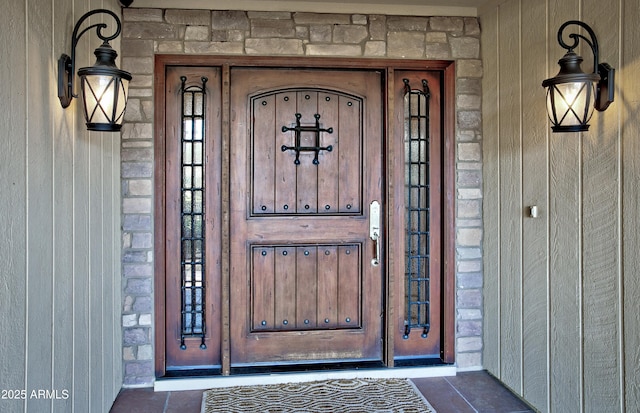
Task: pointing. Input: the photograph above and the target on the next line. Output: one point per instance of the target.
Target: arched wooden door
(306, 164)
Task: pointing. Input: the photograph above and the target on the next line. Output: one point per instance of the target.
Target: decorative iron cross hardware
(298, 148)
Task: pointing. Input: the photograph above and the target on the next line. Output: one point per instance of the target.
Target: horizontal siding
(576, 344)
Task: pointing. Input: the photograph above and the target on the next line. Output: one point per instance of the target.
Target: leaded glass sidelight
(417, 201)
(193, 212)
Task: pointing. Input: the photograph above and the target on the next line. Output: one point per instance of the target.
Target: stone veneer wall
(150, 31)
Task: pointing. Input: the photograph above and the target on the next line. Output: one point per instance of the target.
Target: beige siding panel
(13, 218)
(510, 198)
(491, 196)
(580, 290)
(81, 271)
(95, 276)
(580, 313)
(96, 248)
(39, 297)
(81, 391)
(110, 191)
(628, 102)
(61, 261)
(109, 288)
(535, 134)
(565, 244)
(600, 248)
(63, 225)
(113, 304)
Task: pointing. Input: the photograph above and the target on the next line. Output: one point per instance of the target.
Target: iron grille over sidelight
(193, 212)
(416, 135)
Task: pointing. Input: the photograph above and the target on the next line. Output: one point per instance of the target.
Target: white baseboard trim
(472, 368)
(202, 383)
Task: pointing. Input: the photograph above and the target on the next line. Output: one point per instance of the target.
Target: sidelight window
(417, 201)
(193, 213)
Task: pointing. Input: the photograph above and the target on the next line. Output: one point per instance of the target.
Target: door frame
(393, 194)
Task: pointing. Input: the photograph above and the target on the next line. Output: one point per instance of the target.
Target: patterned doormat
(330, 396)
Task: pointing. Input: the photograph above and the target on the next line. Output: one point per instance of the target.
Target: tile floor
(472, 392)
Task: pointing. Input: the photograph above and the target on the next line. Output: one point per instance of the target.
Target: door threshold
(203, 383)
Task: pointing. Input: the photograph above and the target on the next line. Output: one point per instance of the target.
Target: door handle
(374, 230)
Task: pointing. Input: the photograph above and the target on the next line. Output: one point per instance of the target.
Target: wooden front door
(306, 282)
(267, 252)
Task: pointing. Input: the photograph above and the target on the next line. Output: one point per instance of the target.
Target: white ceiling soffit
(389, 7)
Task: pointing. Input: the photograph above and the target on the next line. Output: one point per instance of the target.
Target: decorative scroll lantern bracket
(298, 129)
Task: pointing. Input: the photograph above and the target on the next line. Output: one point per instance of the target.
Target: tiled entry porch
(470, 392)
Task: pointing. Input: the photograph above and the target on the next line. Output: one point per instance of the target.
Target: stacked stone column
(150, 31)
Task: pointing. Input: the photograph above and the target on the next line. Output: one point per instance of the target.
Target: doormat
(330, 396)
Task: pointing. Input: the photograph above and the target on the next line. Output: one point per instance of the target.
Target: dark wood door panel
(302, 284)
(305, 287)
(289, 176)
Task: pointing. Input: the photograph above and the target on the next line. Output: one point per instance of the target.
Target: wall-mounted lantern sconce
(572, 94)
(104, 86)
